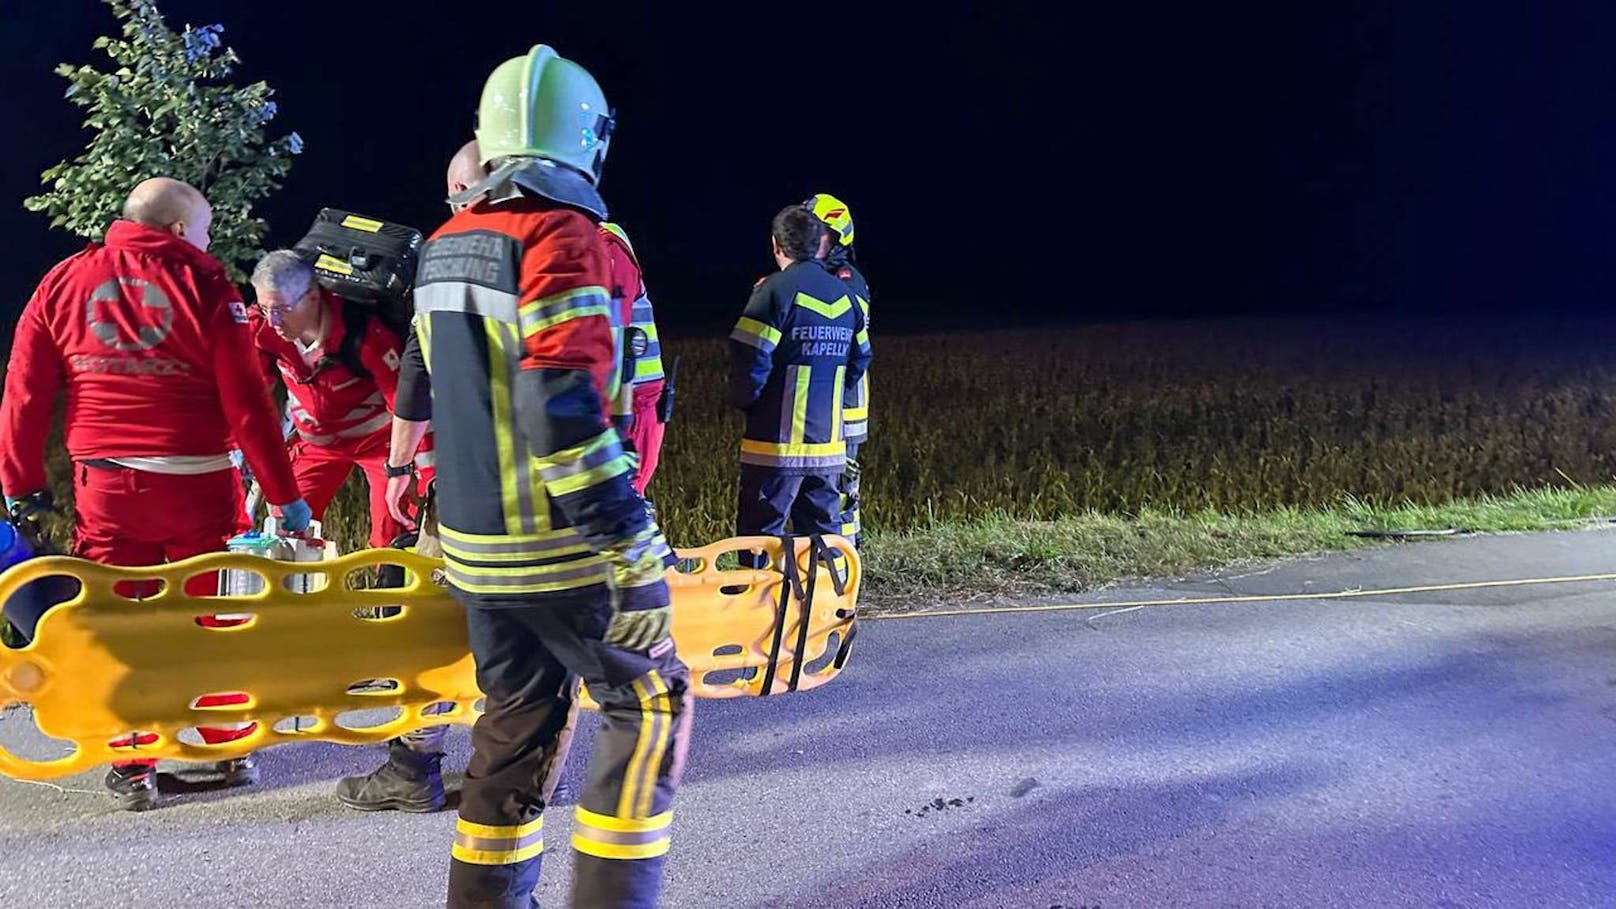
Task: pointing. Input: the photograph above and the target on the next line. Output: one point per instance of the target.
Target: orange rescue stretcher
(105, 672)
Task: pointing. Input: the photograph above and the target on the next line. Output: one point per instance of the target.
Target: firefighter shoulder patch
(238, 311)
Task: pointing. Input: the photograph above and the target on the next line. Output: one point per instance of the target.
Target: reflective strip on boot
(621, 838)
(488, 844)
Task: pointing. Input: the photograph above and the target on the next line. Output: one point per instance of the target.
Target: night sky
(1004, 167)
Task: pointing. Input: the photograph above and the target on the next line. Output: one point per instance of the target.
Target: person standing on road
(148, 337)
(798, 345)
(836, 252)
(545, 541)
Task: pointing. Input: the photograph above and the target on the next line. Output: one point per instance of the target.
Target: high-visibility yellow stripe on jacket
(492, 299)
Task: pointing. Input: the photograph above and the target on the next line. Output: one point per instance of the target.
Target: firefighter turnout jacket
(513, 317)
(148, 336)
(799, 343)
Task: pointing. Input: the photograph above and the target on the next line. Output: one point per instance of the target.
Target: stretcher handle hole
(727, 650)
(734, 590)
(141, 589)
(305, 582)
(228, 621)
(833, 645)
(231, 701)
(376, 687)
(738, 678)
(299, 725)
(370, 718)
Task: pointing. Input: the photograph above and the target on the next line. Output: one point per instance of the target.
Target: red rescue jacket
(148, 336)
(333, 406)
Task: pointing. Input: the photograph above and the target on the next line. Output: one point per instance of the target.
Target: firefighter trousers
(770, 499)
(527, 658)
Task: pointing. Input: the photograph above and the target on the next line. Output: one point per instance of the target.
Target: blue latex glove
(295, 516)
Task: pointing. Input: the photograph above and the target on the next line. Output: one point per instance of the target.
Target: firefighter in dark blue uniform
(800, 342)
(836, 252)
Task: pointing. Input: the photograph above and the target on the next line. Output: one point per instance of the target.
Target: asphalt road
(1438, 750)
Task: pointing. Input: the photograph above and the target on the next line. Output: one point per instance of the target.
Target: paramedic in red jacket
(147, 336)
(339, 390)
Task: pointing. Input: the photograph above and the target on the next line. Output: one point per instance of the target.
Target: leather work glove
(295, 516)
(642, 614)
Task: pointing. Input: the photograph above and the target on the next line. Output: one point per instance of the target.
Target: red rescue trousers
(645, 433)
(322, 470)
(136, 518)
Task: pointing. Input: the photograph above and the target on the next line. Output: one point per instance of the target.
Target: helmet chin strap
(539, 177)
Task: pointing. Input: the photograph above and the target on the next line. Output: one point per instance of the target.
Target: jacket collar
(134, 237)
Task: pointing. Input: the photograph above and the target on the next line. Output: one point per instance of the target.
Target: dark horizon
(1003, 169)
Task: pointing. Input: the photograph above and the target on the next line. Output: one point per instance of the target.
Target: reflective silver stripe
(827, 462)
(371, 425)
(314, 439)
(459, 296)
(534, 576)
(537, 318)
(499, 843)
(595, 454)
(426, 459)
(622, 837)
(513, 547)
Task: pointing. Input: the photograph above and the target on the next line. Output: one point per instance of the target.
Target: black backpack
(370, 264)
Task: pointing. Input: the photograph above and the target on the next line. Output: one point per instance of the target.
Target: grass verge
(1000, 557)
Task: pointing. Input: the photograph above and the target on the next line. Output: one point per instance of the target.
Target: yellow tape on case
(332, 263)
(302, 666)
(358, 223)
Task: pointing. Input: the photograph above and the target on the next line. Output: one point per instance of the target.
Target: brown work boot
(409, 781)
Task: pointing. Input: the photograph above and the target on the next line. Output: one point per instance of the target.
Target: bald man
(148, 337)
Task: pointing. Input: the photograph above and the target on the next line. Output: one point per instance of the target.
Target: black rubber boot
(135, 787)
(409, 781)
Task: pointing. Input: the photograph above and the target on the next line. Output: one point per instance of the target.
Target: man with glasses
(342, 412)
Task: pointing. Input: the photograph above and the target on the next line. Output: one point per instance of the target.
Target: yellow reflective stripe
(548, 312)
(622, 824)
(793, 449)
(572, 566)
(836, 402)
(496, 856)
(652, 768)
(758, 334)
(544, 541)
(862, 337)
(499, 396)
(489, 844)
(854, 414)
(648, 327)
(496, 831)
(799, 405)
(423, 330)
(578, 482)
(619, 233)
(626, 797)
(828, 310)
(471, 555)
